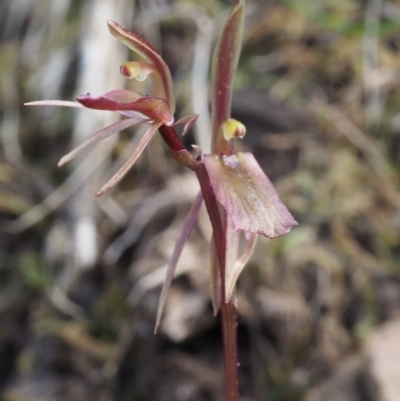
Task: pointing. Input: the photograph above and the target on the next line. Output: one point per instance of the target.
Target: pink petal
(248, 195)
(224, 63)
(180, 243)
(53, 103)
(121, 99)
(98, 136)
(132, 159)
(151, 55)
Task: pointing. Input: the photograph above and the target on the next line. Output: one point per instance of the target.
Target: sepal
(121, 99)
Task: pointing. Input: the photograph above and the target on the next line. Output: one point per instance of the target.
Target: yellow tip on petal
(232, 129)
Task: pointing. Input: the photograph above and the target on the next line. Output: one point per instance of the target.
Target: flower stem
(171, 138)
(228, 309)
(229, 335)
(215, 219)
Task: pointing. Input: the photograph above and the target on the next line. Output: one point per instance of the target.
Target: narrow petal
(121, 99)
(232, 244)
(132, 159)
(98, 136)
(141, 46)
(188, 121)
(233, 271)
(180, 243)
(248, 195)
(53, 103)
(224, 63)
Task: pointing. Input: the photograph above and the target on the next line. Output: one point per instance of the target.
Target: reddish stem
(228, 309)
(229, 335)
(171, 138)
(215, 219)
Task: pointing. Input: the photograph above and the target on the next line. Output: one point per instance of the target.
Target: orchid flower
(249, 201)
(238, 195)
(155, 110)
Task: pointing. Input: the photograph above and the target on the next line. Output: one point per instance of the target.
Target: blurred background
(318, 89)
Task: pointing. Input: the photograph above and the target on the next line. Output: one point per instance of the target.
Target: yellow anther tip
(125, 71)
(232, 129)
(136, 69)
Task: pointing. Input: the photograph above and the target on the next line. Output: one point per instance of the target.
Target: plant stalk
(228, 309)
(231, 361)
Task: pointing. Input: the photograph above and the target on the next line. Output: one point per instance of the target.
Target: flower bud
(232, 128)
